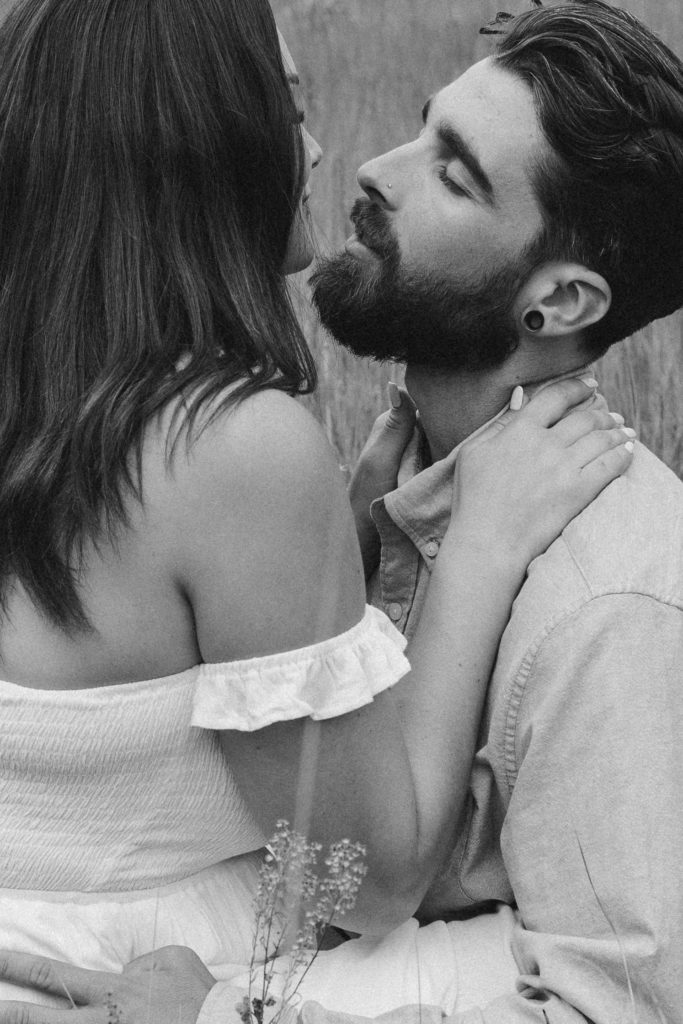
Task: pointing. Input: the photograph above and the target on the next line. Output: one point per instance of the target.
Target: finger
(594, 401)
(599, 401)
(397, 394)
(489, 430)
(175, 959)
(29, 1013)
(577, 424)
(606, 468)
(401, 416)
(551, 403)
(591, 446)
(46, 975)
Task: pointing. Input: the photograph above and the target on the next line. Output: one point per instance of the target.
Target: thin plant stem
(620, 944)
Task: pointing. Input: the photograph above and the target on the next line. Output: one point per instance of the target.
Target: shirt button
(395, 611)
(432, 548)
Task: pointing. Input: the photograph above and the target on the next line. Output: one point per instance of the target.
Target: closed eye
(451, 185)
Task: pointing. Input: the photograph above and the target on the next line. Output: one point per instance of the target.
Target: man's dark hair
(150, 173)
(609, 97)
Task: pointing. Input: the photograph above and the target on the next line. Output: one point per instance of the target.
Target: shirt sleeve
(320, 681)
(593, 835)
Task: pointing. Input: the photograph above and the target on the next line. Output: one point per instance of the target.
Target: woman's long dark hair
(149, 178)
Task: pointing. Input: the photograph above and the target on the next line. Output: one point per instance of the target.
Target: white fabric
(110, 788)
(210, 912)
(321, 681)
(456, 966)
(121, 828)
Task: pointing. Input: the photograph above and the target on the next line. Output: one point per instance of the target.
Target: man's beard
(381, 312)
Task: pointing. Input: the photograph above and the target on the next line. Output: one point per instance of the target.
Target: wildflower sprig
(293, 906)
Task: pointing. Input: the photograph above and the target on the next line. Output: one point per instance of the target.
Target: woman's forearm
(440, 702)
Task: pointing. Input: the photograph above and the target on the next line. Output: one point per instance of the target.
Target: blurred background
(367, 67)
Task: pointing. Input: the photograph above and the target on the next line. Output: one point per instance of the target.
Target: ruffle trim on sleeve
(321, 681)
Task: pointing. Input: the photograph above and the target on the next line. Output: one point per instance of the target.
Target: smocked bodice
(112, 788)
(125, 787)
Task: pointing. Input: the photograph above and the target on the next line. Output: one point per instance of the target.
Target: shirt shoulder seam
(517, 689)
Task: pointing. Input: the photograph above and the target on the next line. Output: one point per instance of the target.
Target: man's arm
(593, 835)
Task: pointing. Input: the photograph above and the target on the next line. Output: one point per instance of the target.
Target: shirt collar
(421, 504)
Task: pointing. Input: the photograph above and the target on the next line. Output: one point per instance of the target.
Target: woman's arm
(279, 568)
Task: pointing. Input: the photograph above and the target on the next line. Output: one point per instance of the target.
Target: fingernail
(629, 431)
(618, 418)
(394, 395)
(517, 398)
(629, 446)
(590, 382)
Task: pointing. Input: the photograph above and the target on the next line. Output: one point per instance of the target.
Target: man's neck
(453, 405)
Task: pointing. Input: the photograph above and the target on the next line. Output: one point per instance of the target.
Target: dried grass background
(366, 67)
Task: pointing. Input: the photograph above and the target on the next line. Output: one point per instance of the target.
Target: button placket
(399, 569)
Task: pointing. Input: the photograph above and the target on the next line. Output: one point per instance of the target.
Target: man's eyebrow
(454, 142)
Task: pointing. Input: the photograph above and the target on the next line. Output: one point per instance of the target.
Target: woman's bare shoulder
(267, 434)
(268, 441)
(256, 510)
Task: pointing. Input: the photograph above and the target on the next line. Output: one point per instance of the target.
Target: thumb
(518, 401)
(401, 417)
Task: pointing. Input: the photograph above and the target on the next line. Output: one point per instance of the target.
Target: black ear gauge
(533, 320)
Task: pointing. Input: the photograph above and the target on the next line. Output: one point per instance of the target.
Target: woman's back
(206, 567)
(146, 215)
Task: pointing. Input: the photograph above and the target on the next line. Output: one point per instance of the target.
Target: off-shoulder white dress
(122, 830)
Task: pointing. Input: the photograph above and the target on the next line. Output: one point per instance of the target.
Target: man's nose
(380, 178)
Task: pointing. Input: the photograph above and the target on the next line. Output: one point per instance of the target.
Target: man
(536, 220)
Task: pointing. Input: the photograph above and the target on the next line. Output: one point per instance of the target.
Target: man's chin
(342, 290)
(375, 312)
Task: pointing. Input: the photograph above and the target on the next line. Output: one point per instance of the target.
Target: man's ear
(568, 297)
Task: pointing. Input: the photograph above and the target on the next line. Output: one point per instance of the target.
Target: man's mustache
(373, 228)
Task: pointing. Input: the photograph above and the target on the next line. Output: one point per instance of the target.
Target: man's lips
(356, 247)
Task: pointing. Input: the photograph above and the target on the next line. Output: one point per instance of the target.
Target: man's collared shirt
(575, 808)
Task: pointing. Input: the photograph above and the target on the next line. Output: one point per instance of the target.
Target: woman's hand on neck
(453, 404)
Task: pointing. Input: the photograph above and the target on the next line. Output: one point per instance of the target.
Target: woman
(175, 526)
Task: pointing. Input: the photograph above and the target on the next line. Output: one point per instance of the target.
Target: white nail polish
(618, 418)
(629, 446)
(517, 399)
(629, 431)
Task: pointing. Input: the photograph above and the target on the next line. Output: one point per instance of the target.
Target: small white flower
(288, 888)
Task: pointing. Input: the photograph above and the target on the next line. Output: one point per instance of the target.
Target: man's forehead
(494, 112)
